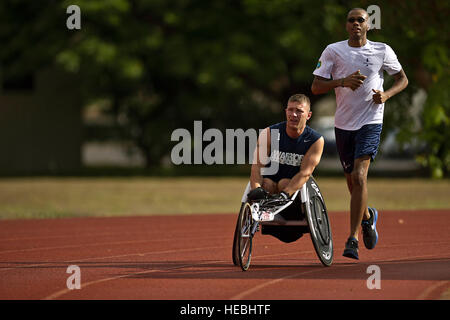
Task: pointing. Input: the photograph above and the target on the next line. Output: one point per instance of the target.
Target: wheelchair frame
(254, 214)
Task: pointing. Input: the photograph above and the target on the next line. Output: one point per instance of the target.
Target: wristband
(342, 82)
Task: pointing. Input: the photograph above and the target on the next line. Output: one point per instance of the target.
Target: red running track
(189, 257)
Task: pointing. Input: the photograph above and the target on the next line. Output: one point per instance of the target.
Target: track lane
(166, 258)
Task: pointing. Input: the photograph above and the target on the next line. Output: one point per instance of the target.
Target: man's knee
(283, 183)
(359, 178)
(360, 170)
(269, 185)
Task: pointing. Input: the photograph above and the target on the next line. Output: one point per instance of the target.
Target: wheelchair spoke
(244, 249)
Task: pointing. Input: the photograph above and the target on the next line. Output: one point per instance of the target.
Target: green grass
(77, 197)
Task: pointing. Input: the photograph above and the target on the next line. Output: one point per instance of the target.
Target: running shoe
(351, 249)
(369, 231)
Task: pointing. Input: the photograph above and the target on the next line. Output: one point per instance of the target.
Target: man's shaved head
(358, 10)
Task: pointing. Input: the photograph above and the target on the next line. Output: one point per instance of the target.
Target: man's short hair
(300, 98)
(358, 9)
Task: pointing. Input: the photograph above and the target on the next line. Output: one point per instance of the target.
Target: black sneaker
(369, 231)
(351, 249)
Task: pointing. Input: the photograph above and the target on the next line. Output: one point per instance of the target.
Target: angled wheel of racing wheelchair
(235, 253)
(245, 229)
(243, 237)
(318, 222)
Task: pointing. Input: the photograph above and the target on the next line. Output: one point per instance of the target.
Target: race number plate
(266, 216)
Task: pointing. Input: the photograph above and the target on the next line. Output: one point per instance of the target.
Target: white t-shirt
(338, 60)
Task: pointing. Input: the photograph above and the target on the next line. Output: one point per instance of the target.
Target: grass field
(76, 197)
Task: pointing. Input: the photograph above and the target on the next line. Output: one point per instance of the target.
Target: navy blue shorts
(352, 145)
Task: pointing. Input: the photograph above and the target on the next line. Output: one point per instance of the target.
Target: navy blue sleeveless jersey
(290, 153)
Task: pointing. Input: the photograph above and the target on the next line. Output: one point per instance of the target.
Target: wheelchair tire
(319, 224)
(235, 253)
(244, 237)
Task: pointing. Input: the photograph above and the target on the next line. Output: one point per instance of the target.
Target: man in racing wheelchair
(296, 151)
(299, 152)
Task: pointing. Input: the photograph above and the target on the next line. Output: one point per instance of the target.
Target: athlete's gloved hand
(280, 196)
(257, 194)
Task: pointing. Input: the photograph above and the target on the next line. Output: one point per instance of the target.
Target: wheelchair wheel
(244, 237)
(235, 253)
(319, 224)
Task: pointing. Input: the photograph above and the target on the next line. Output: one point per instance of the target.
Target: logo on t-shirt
(318, 64)
(292, 159)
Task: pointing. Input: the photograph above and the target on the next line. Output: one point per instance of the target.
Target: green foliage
(436, 133)
(416, 31)
(163, 64)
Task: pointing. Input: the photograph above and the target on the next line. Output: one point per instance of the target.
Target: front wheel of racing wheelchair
(309, 203)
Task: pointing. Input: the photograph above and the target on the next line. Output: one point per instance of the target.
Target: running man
(354, 69)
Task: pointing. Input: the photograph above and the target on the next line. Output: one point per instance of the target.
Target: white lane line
(107, 243)
(141, 254)
(119, 256)
(87, 284)
(90, 283)
(84, 285)
(274, 281)
(269, 283)
(87, 235)
(424, 295)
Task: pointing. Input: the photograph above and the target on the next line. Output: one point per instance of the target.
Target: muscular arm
(323, 85)
(309, 163)
(262, 149)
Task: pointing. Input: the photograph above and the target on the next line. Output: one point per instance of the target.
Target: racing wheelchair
(285, 219)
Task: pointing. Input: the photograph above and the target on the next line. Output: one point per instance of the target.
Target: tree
(415, 29)
(163, 64)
